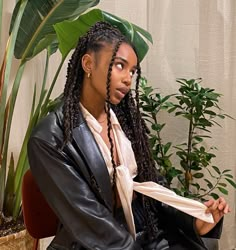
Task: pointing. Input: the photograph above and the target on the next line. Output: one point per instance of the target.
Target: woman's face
(122, 72)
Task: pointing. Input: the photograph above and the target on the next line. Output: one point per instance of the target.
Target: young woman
(86, 154)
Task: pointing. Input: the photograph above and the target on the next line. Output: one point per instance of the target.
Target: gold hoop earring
(89, 74)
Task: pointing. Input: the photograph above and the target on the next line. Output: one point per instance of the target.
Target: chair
(40, 221)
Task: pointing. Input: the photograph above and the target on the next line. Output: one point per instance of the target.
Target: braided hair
(127, 111)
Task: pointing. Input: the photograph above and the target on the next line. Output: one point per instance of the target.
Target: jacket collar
(92, 155)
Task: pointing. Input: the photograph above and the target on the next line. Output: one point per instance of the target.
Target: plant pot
(21, 240)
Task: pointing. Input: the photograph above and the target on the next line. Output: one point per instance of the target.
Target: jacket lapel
(94, 159)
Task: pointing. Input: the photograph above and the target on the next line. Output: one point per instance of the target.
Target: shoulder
(50, 128)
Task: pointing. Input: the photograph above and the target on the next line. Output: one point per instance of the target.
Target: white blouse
(127, 170)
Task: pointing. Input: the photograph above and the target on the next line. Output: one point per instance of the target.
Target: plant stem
(218, 180)
(188, 161)
(52, 85)
(158, 134)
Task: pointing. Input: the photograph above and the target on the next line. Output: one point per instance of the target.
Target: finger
(209, 202)
(222, 203)
(226, 209)
(213, 206)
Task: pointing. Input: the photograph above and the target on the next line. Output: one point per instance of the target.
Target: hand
(218, 208)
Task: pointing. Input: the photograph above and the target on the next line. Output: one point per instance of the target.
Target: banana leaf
(68, 32)
(36, 28)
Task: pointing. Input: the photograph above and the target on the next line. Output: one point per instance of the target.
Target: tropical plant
(199, 107)
(36, 26)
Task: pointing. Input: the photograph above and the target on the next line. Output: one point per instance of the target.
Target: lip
(123, 90)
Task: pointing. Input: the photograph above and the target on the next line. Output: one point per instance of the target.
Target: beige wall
(197, 39)
(192, 38)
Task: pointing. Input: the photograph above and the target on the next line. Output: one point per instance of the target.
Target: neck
(96, 110)
(94, 104)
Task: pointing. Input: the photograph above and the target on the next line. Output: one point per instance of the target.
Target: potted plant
(198, 106)
(59, 27)
(193, 176)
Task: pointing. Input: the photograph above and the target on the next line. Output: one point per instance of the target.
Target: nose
(127, 79)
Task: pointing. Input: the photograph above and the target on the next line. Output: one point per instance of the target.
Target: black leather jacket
(76, 184)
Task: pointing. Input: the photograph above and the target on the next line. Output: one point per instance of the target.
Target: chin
(115, 101)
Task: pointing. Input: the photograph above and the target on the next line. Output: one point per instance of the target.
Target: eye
(132, 73)
(120, 65)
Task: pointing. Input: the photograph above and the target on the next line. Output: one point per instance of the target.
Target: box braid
(127, 111)
(109, 126)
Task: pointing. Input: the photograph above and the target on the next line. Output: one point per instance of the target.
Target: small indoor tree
(197, 176)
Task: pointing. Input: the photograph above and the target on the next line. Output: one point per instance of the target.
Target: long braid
(72, 89)
(147, 166)
(109, 126)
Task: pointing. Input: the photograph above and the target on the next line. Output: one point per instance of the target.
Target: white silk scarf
(127, 170)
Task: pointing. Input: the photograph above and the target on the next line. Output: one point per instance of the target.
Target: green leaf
(68, 32)
(215, 196)
(209, 104)
(217, 170)
(198, 138)
(223, 190)
(212, 96)
(196, 185)
(226, 170)
(157, 127)
(198, 175)
(229, 175)
(36, 28)
(167, 147)
(210, 112)
(148, 91)
(174, 172)
(231, 182)
(205, 122)
(209, 184)
(222, 184)
(172, 109)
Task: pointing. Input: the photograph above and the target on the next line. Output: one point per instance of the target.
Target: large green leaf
(36, 28)
(68, 32)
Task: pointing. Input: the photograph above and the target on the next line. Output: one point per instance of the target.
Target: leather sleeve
(70, 197)
(186, 223)
(183, 221)
(215, 231)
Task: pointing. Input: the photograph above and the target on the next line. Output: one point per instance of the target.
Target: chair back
(40, 221)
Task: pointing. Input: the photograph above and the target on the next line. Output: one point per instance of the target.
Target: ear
(87, 63)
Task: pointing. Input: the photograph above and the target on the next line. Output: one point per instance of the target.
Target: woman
(85, 154)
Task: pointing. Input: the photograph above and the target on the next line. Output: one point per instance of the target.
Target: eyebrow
(124, 60)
